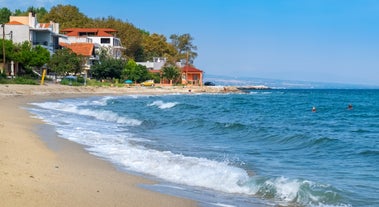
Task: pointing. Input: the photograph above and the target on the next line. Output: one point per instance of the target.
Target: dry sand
(34, 174)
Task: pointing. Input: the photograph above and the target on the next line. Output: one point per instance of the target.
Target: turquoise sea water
(262, 148)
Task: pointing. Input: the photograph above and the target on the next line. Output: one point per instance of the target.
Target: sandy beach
(32, 173)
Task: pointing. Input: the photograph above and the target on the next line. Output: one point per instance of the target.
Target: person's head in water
(350, 107)
(314, 109)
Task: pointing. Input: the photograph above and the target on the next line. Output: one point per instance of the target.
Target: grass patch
(19, 80)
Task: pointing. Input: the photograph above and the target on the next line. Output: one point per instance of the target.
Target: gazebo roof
(190, 69)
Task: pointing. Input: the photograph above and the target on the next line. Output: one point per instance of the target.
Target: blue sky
(310, 40)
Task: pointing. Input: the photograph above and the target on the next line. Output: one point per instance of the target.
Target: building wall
(71, 39)
(27, 20)
(21, 19)
(98, 41)
(20, 33)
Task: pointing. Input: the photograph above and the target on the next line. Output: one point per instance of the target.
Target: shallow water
(262, 148)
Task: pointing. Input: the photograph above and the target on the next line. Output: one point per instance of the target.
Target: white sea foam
(177, 168)
(101, 101)
(163, 105)
(286, 189)
(222, 205)
(97, 114)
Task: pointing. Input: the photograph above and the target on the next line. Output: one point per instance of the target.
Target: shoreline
(34, 172)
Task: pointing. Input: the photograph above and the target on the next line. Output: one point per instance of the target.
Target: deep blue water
(262, 148)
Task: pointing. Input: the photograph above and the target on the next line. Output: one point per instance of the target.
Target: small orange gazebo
(191, 76)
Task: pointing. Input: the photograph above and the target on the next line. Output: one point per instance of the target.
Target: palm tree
(171, 73)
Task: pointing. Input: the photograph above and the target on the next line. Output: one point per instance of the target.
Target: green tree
(156, 45)
(135, 72)
(171, 73)
(107, 68)
(184, 47)
(40, 57)
(9, 48)
(67, 16)
(39, 12)
(65, 61)
(30, 57)
(5, 13)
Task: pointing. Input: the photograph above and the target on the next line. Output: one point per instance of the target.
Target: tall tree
(156, 45)
(184, 47)
(67, 16)
(39, 12)
(5, 13)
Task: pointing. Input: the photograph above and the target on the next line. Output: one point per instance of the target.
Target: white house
(156, 64)
(100, 37)
(26, 28)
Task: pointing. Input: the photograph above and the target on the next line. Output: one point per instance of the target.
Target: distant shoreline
(57, 89)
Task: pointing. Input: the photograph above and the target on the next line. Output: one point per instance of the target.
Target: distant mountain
(281, 84)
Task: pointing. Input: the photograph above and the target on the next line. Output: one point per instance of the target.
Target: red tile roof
(100, 32)
(84, 49)
(14, 23)
(190, 69)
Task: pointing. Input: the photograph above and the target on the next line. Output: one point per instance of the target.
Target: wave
(103, 101)
(163, 105)
(323, 142)
(369, 153)
(317, 143)
(103, 115)
(229, 126)
(177, 168)
(296, 191)
(219, 176)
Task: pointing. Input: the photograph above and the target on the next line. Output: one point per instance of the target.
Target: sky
(303, 40)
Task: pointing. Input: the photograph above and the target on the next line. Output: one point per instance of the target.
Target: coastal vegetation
(140, 46)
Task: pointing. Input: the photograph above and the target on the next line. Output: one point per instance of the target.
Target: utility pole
(2, 69)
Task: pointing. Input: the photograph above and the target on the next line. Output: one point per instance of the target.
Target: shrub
(70, 82)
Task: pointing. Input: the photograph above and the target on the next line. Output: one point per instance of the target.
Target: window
(87, 34)
(105, 40)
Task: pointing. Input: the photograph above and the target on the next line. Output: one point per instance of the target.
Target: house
(156, 64)
(27, 28)
(191, 75)
(21, 29)
(86, 50)
(100, 37)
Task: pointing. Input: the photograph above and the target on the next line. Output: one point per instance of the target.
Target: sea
(259, 148)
